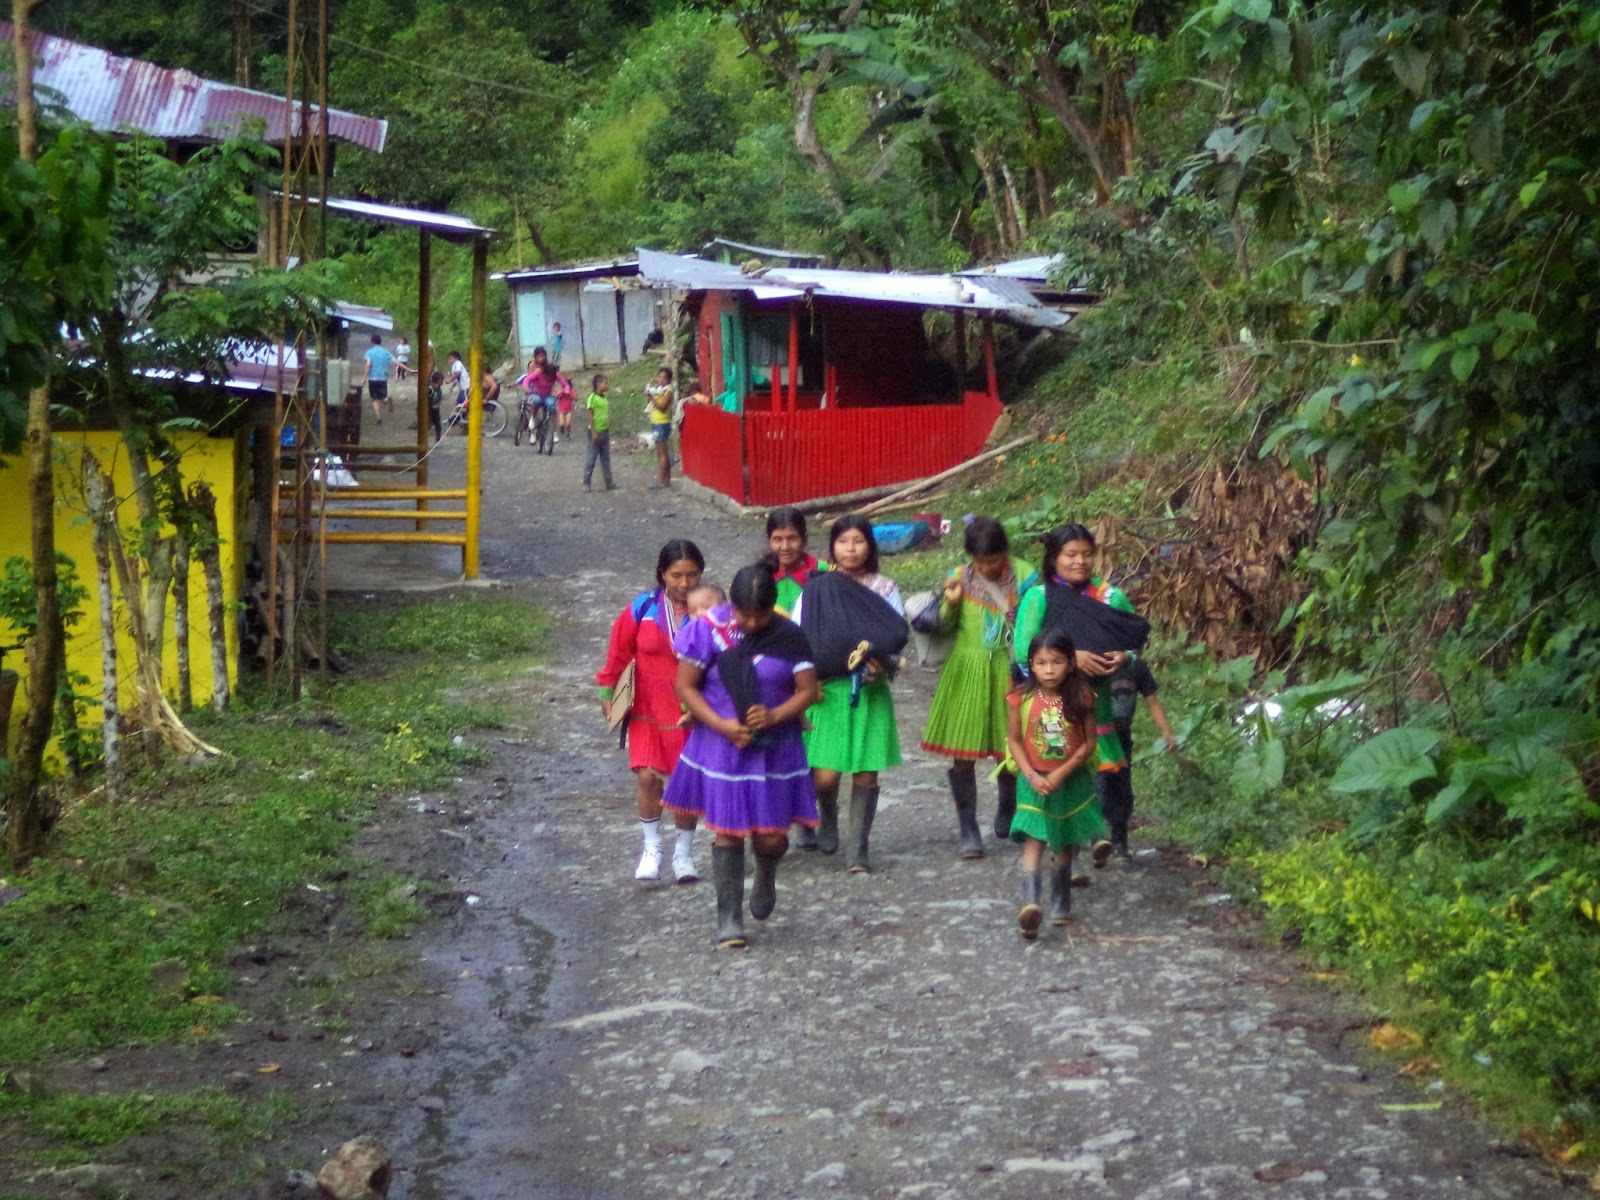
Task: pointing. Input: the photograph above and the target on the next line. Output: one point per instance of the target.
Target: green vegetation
(221, 853)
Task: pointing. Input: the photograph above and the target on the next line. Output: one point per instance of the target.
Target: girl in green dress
(792, 566)
(1050, 731)
(1069, 564)
(967, 720)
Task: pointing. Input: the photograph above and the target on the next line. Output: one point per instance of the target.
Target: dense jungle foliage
(1336, 414)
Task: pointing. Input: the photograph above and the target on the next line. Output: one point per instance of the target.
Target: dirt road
(885, 1035)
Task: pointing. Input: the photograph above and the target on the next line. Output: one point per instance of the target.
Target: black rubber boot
(727, 868)
(964, 788)
(1006, 805)
(805, 838)
(828, 820)
(764, 891)
(1060, 895)
(863, 808)
(1119, 841)
(1030, 916)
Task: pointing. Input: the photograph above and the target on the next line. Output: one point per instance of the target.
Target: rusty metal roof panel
(113, 93)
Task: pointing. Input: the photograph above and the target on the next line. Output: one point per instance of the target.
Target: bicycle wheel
(494, 418)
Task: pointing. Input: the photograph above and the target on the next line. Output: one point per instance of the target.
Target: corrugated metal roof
(616, 266)
(112, 93)
(445, 225)
(1004, 300)
(1036, 269)
(795, 257)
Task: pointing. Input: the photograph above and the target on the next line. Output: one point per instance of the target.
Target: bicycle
(533, 418)
(494, 418)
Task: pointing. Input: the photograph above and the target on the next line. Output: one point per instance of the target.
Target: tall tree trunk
(208, 545)
(104, 524)
(997, 201)
(1017, 213)
(27, 811)
(180, 619)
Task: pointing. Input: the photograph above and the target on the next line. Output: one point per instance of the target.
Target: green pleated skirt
(967, 719)
(1068, 816)
(848, 739)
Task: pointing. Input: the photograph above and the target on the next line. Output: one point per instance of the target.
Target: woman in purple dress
(746, 676)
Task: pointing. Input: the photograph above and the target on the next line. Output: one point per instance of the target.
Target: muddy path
(567, 1033)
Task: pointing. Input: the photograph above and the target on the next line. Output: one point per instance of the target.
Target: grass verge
(120, 939)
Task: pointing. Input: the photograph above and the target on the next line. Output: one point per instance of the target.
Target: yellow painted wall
(214, 461)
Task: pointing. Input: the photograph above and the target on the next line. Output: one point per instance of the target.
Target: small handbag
(622, 698)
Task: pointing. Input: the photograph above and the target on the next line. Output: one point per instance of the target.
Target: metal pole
(961, 357)
(480, 284)
(424, 359)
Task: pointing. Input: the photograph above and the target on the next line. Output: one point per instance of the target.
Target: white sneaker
(649, 865)
(683, 863)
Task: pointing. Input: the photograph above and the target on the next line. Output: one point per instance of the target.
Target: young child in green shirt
(599, 410)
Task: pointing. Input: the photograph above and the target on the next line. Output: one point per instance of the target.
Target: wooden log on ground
(894, 499)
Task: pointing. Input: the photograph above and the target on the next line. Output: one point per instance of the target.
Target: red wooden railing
(825, 452)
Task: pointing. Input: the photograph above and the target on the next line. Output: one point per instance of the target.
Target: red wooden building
(824, 381)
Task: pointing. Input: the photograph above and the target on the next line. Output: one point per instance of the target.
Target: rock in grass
(360, 1171)
(171, 976)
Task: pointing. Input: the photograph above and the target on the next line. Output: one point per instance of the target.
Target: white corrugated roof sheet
(991, 297)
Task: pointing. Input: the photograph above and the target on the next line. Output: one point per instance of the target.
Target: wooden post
(961, 357)
(777, 388)
(425, 360)
(480, 283)
(794, 357)
(992, 379)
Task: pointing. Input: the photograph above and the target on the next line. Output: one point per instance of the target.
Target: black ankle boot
(764, 891)
(1030, 916)
(727, 868)
(964, 789)
(828, 820)
(1119, 841)
(863, 808)
(1060, 895)
(1006, 805)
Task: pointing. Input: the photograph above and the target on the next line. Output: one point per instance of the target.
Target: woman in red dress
(657, 726)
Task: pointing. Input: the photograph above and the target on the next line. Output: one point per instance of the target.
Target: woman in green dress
(1069, 553)
(967, 720)
(853, 728)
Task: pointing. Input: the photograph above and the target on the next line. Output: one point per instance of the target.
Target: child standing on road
(1132, 680)
(1051, 733)
(658, 408)
(967, 720)
(599, 410)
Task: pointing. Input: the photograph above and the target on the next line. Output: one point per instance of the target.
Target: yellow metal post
(480, 284)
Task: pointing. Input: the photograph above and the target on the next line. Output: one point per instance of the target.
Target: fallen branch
(894, 499)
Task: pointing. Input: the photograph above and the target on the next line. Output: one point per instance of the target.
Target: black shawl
(839, 614)
(780, 639)
(1093, 625)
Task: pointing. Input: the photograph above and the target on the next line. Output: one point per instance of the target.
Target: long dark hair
(677, 550)
(753, 589)
(862, 526)
(1076, 696)
(1056, 540)
(986, 536)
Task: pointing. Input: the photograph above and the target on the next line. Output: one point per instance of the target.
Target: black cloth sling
(1093, 625)
(838, 614)
(781, 638)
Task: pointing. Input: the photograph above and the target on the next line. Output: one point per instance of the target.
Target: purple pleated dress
(761, 789)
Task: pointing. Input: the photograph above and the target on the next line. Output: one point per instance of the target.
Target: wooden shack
(825, 382)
